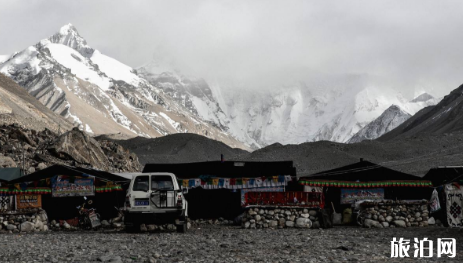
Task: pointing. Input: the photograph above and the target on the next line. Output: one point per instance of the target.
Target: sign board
(6, 203)
(28, 201)
(62, 187)
(350, 196)
(94, 220)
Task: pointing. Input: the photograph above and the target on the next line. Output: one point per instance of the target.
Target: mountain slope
(18, 106)
(177, 148)
(98, 93)
(445, 117)
(390, 119)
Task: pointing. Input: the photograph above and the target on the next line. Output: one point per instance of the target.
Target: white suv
(155, 198)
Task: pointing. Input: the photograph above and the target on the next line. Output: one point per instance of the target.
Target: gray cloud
(413, 44)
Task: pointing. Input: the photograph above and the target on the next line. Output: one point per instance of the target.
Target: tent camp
(61, 189)
(217, 188)
(366, 180)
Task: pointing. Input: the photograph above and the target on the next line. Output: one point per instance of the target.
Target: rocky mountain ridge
(389, 120)
(100, 94)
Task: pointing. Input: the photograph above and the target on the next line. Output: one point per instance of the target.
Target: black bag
(325, 219)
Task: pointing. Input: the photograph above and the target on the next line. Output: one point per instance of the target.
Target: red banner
(306, 199)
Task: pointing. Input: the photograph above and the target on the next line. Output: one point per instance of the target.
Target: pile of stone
(274, 218)
(38, 150)
(395, 214)
(217, 221)
(24, 222)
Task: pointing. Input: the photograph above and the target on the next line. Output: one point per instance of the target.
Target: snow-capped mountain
(192, 93)
(334, 109)
(392, 117)
(389, 120)
(99, 93)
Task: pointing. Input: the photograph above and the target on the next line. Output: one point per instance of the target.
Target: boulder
(400, 223)
(143, 228)
(38, 225)
(385, 224)
(313, 213)
(316, 224)
(289, 224)
(389, 219)
(78, 146)
(431, 221)
(41, 166)
(6, 162)
(258, 217)
(303, 223)
(66, 225)
(273, 223)
(27, 227)
(372, 223)
(152, 227)
(11, 227)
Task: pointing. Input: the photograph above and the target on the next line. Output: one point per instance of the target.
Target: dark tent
(366, 174)
(445, 174)
(65, 207)
(214, 203)
(9, 174)
(69, 171)
(229, 169)
(363, 171)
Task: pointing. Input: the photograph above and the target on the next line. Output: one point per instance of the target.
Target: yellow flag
(185, 183)
(215, 181)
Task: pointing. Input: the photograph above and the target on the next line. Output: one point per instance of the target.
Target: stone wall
(394, 214)
(33, 221)
(274, 218)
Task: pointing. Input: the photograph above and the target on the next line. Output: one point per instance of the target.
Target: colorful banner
(372, 184)
(62, 187)
(28, 201)
(211, 182)
(350, 196)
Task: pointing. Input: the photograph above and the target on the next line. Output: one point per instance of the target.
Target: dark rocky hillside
(44, 148)
(177, 148)
(445, 117)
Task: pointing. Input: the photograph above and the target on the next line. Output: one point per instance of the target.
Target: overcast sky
(415, 44)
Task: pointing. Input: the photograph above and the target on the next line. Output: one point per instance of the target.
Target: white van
(155, 198)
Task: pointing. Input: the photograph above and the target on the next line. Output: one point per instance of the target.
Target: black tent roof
(229, 169)
(69, 171)
(446, 174)
(8, 174)
(362, 171)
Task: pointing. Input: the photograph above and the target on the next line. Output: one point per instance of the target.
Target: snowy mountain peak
(69, 36)
(423, 97)
(387, 121)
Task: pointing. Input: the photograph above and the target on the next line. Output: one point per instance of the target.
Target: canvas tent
(216, 187)
(368, 179)
(106, 190)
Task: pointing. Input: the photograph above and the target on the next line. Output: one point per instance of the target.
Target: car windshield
(141, 183)
(161, 183)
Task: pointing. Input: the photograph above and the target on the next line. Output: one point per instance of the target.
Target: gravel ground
(220, 244)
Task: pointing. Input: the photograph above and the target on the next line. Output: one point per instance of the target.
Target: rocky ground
(220, 244)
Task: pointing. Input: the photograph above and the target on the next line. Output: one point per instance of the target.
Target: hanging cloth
(434, 202)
